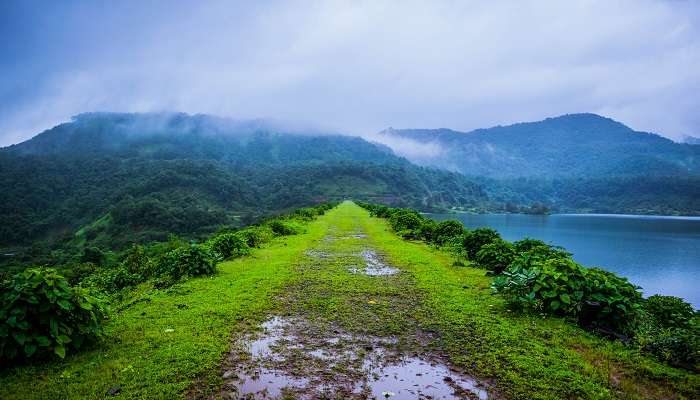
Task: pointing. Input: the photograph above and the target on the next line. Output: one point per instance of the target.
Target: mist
(353, 67)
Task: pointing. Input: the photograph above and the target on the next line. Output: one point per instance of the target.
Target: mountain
(575, 145)
(111, 179)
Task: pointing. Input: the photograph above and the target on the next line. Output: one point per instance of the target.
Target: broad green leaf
(60, 351)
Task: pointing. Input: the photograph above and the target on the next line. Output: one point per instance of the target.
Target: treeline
(47, 312)
(532, 276)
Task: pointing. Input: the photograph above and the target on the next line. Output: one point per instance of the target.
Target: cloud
(354, 66)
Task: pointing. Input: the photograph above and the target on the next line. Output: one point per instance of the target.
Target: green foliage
(40, 314)
(190, 261)
(473, 240)
(229, 245)
(447, 231)
(405, 220)
(284, 227)
(669, 311)
(679, 347)
(256, 236)
(610, 301)
(93, 255)
(496, 256)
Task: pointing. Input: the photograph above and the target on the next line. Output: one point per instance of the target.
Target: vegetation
(535, 277)
(169, 342)
(41, 315)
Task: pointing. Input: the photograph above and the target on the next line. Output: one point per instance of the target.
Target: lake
(661, 254)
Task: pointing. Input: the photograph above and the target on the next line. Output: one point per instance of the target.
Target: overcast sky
(353, 66)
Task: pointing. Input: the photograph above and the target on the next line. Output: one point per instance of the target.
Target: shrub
(40, 314)
(228, 245)
(282, 227)
(403, 219)
(308, 213)
(255, 236)
(679, 347)
(447, 231)
(193, 260)
(559, 286)
(611, 302)
(427, 230)
(112, 279)
(135, 261)
(496, 256)
(669, 311)
(515, 285)
(473, 240)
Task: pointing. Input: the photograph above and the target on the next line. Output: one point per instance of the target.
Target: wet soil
(295, 358)
(347, 329)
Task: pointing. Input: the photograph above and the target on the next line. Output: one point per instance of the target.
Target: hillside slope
(576, 145)
(110, 179)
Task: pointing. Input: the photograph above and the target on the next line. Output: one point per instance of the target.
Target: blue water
(660, 254)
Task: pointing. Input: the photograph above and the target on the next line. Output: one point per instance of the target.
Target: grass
(169, 343)
(525, 356)
(160, 342)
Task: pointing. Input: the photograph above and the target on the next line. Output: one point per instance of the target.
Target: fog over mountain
(355, 66)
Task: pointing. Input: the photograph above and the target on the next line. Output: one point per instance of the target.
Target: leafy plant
(403, 219)
(496, 256)
(611, 301)
(669, 311)
(255, 236)
(473, 240)
(40, 314)
(193, 260)
(229, 245)
(446, 231)
(284, 227)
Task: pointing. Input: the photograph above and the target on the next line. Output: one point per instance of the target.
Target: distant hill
(576, 145)
(691, 140)
(110, 179)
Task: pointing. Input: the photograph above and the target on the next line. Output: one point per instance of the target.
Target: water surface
(661, 254)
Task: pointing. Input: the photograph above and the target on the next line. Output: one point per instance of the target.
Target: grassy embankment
(159, 342)
(523, 357)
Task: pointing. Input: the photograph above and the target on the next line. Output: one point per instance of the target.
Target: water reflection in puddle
(373, 265)
(292, 358)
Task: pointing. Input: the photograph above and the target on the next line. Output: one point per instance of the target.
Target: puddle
(414, 378)
(374, 266)
(317, 254)
(291, 358)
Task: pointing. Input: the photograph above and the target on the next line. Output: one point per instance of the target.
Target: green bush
(679, 347)
(427, 230)
(447, 231)
(40, 315)
(473, 240)
(598, 299)
(136, 261)
(192, 260)
(611, 302)
(496, 256)
(229, 245)
(669, 311)
(256, 236)
(405, 220)
(285, 227)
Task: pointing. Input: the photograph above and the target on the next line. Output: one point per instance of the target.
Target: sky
(353, 66)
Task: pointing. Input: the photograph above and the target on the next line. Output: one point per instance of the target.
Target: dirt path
(346, 328)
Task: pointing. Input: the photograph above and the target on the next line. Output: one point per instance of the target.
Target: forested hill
(569, 146)
(109, 179)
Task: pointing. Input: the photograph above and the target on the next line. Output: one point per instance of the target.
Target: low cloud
(354, 66)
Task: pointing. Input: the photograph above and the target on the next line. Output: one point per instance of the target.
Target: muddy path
(348, 327)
